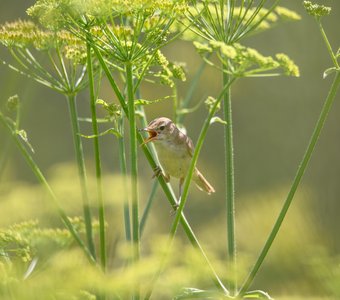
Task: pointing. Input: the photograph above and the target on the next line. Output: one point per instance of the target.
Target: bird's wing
(190, 146)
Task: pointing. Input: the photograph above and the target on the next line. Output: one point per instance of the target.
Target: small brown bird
(174, 150)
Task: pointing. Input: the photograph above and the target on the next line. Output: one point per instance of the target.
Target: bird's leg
(181, 180)
(158, 172)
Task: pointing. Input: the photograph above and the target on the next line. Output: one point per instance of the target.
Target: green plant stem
(123, 169)
(134, 168)
(71, 100)
(229, 180)
(184, 197)
(299, 174)
(148, 206)
(41, 178)
(152, 162)
(101, 208)
(4, 156)
(134, 160)
(328, 45)
(193, 86)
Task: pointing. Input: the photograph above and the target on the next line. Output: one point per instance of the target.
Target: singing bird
(174, 150)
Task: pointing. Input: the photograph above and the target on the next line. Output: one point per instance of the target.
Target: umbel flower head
(33, 47)
(241, 61)
(316, 10)
(220, 21)
(128, 29)
(26, 34)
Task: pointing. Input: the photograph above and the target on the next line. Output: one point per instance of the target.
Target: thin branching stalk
(193, 86)
(229, 180)
(41, 178)
(299, 174)
(328, 45)
(101, 208)
(71, 100)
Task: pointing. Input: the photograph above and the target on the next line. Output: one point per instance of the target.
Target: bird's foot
(157, 171)
(174, 209)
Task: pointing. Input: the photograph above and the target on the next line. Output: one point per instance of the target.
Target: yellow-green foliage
(297, 261)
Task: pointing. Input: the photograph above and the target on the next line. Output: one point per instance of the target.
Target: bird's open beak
(152, 135)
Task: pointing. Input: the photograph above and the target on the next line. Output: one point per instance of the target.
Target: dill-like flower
(316, 10)
(67, 53)
(287, 65)
(244, 61)
(26, 34)
(228, 23)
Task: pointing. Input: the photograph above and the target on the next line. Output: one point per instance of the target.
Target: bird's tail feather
(202, 183)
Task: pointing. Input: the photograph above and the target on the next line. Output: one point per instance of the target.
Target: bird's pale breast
(175, 159)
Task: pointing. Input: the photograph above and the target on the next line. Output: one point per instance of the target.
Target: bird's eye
(162, 127)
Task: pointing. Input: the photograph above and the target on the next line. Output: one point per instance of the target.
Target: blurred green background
(273, 120)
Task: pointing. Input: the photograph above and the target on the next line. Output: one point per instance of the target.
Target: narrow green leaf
(218, 120)
(257, 295)
(337, 53)
(112, 108)
(102, 102)
(99, 120)
(328, 72)
(193, 293)
(188, 110)
(109, 131)
(148, 102)
(23, 135)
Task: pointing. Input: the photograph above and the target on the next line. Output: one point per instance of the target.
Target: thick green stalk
(229, 180)
(134, 168)
(37, 172)
(134, 161)
(101, 208)
(299, 174)
(82, 172)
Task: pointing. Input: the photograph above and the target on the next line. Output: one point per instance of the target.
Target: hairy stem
(229, 180)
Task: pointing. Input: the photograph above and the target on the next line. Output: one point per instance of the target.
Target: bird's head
(159, 129)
